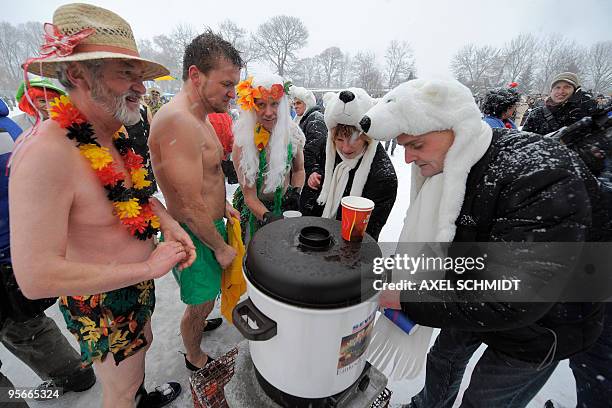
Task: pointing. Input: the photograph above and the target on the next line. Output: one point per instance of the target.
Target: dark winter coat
(579, 105)
(139, 133)
(380, 187)
(525, 188)
(315, 130)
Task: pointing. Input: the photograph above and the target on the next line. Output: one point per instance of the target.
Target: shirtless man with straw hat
(82, 219)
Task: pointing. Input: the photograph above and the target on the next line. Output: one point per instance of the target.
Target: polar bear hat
(421, 106)
(304, 95)
(346, 107)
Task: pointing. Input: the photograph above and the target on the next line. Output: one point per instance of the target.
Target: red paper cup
(355, 216)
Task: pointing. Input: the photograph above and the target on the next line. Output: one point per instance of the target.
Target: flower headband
(247, 94)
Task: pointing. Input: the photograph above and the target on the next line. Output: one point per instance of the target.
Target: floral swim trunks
(110, 322)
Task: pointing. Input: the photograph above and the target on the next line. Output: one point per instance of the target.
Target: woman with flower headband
(268, 153)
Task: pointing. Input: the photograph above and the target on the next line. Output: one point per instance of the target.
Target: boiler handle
(266, 327)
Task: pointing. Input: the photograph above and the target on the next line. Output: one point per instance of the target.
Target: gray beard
(117, 107)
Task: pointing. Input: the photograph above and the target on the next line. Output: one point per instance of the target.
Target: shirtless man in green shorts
(186, 155)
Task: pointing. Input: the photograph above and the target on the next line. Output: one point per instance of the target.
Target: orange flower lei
(247, 94)
(131, 205)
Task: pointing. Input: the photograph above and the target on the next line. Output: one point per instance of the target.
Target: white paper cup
(292, 214)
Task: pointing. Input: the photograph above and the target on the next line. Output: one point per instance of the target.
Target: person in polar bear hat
(310, 119)
(268, 152)
(303, 101)
(352, 163)
(471, 186)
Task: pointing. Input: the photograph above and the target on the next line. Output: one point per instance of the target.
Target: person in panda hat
(268, 153)
(353, 164)
(471, 183)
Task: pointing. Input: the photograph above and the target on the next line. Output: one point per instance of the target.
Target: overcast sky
(436, 29)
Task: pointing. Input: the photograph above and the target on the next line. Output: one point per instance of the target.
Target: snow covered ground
(164, 363)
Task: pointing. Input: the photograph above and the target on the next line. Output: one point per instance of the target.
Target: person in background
(222, 122)
(140, 134)
(155, 101)
(310, 119)
(41, 92)
(499, 106)
(566, 104)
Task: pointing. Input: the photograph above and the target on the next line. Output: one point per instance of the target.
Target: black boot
(80, 381)
(212, 324)
(193, 367)
(162, 396)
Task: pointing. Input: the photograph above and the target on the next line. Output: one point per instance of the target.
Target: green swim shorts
(201, 282)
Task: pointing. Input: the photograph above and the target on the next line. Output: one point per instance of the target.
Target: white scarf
(338, 183)
(424, 211)
(334, 186)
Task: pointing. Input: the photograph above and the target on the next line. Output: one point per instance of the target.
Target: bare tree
(182, 35)
(31, 36)
(307, 72)
(230, 32)
(344, 71)
(10, 55)
(17, 44)
(146, 49)
(169, 54)
(367, 75)
(330, 60)
(526, 79)
(475, 66)
(518, 55)
(279, 38)
(237, 36)
(557, 54)
(399, 63)
(599, 67)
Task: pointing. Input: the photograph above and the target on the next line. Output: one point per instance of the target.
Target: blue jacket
(9, 131)
(497, 122)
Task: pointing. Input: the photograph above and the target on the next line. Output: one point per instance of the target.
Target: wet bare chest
(212, 154)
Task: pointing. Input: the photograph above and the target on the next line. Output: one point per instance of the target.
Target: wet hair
(204, 52)
(499, 100)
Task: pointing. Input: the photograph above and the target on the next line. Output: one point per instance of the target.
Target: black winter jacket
(525, 188)
(139, 133)
(315, 130)
(579, 105)
(380, 187)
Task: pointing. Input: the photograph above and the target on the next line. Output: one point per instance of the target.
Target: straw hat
(113, 38)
